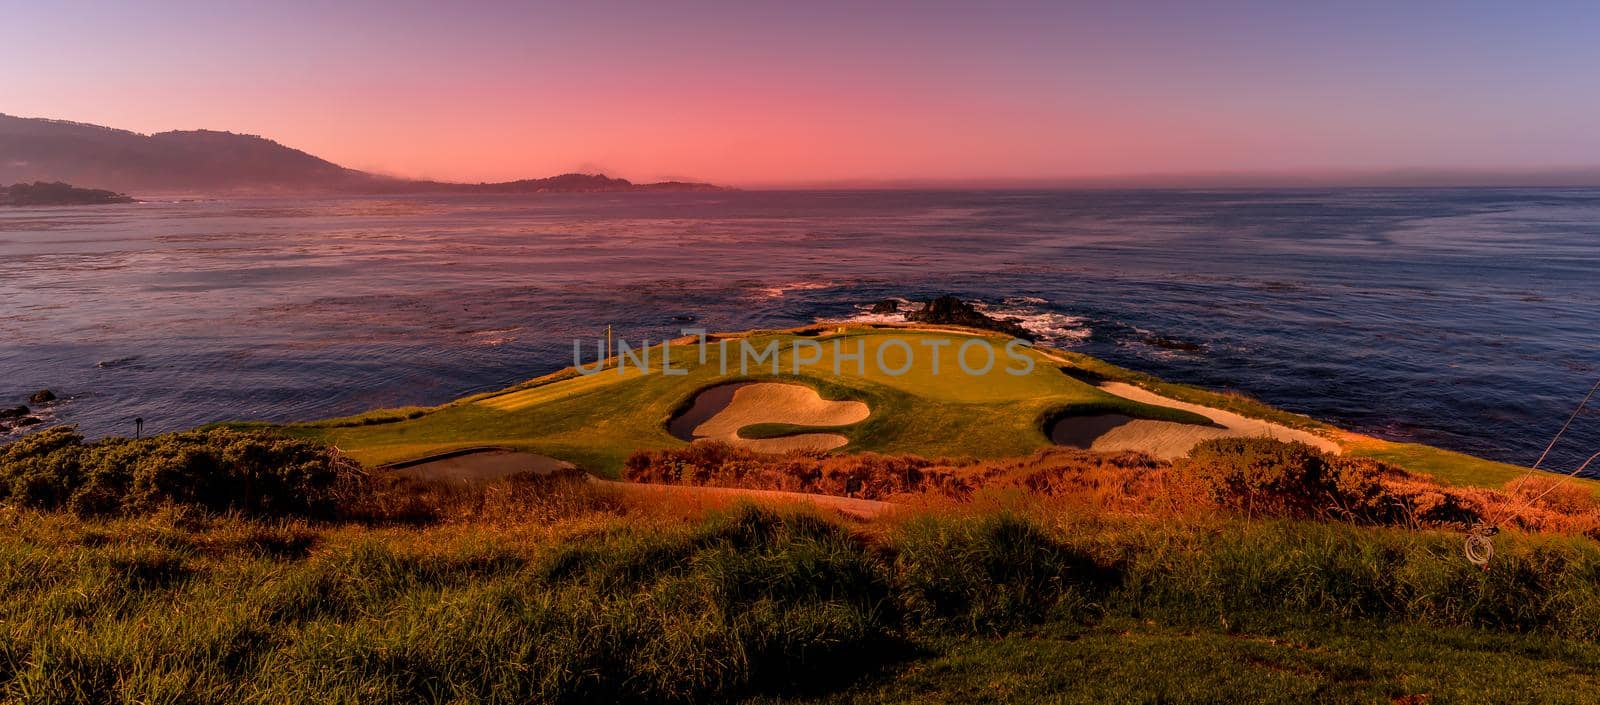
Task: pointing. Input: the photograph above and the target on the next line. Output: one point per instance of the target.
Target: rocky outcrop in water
(885, 306)
(949, 310)
(40, 193)
(43, 396)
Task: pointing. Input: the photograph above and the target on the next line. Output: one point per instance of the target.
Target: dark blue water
(1466, 318)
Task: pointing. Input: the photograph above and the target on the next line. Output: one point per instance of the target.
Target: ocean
(1465, 318)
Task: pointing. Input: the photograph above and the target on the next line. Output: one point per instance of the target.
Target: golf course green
(919, 398)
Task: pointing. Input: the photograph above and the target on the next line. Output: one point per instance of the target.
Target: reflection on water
(1465, 317)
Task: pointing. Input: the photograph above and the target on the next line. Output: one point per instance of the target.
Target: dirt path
(850, 506)
(478, 465)
(481, 465)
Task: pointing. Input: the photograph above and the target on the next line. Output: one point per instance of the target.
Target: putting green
(922, 400)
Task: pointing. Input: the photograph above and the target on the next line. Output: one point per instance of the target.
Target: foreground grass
(1131, 661)
(591, 605)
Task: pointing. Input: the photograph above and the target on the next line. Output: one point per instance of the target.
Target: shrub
(1265, 477)
(216, 470)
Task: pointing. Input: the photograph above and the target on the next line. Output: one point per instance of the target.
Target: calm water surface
(1465, 318)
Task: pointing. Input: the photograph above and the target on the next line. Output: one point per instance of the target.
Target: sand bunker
(719, 412)
(480, 465)
(1165, 439)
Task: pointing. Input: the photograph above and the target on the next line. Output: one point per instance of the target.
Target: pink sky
(755, 93)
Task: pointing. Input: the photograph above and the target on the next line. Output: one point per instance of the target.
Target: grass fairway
(933, 408)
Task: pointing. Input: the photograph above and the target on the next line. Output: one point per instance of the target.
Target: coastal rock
(43, 396)
(1170, 344)
(29, 421)
(885, 306)
(949, 310)
(40, 193)
(14, 412)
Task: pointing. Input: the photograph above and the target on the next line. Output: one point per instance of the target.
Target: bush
(216, 470)
(1265, 477)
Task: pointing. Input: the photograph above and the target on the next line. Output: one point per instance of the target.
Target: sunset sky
(753, 93)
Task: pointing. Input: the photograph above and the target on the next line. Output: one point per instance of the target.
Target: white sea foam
(1051, 327)
(864, 313)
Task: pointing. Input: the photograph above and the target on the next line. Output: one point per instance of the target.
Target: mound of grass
(992, 573)
(757, 602)
(1124, 660)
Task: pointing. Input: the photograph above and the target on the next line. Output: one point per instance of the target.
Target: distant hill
(564, 183)
(40, 193)
(34, 149)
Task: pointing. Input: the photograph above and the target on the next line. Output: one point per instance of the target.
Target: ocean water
(1466, 318)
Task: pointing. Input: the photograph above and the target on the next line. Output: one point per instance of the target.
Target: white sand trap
(1165, 439)
(480, 466)
(719, 412)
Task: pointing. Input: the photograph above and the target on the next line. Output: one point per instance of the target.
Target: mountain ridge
(52, 150)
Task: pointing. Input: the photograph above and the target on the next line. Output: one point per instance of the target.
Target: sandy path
(482, 465)
(851, 506)
(479, 466)
(719, 412)
(1165, 439)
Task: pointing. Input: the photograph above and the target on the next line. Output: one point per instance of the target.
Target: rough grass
(1451, 467)
(553, 589)
(1245, 477)
(1136, 661)
(590, 605)
(1055, 471)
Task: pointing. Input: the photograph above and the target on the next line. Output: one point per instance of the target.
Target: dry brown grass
(1115, 476)
(1062, 480)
